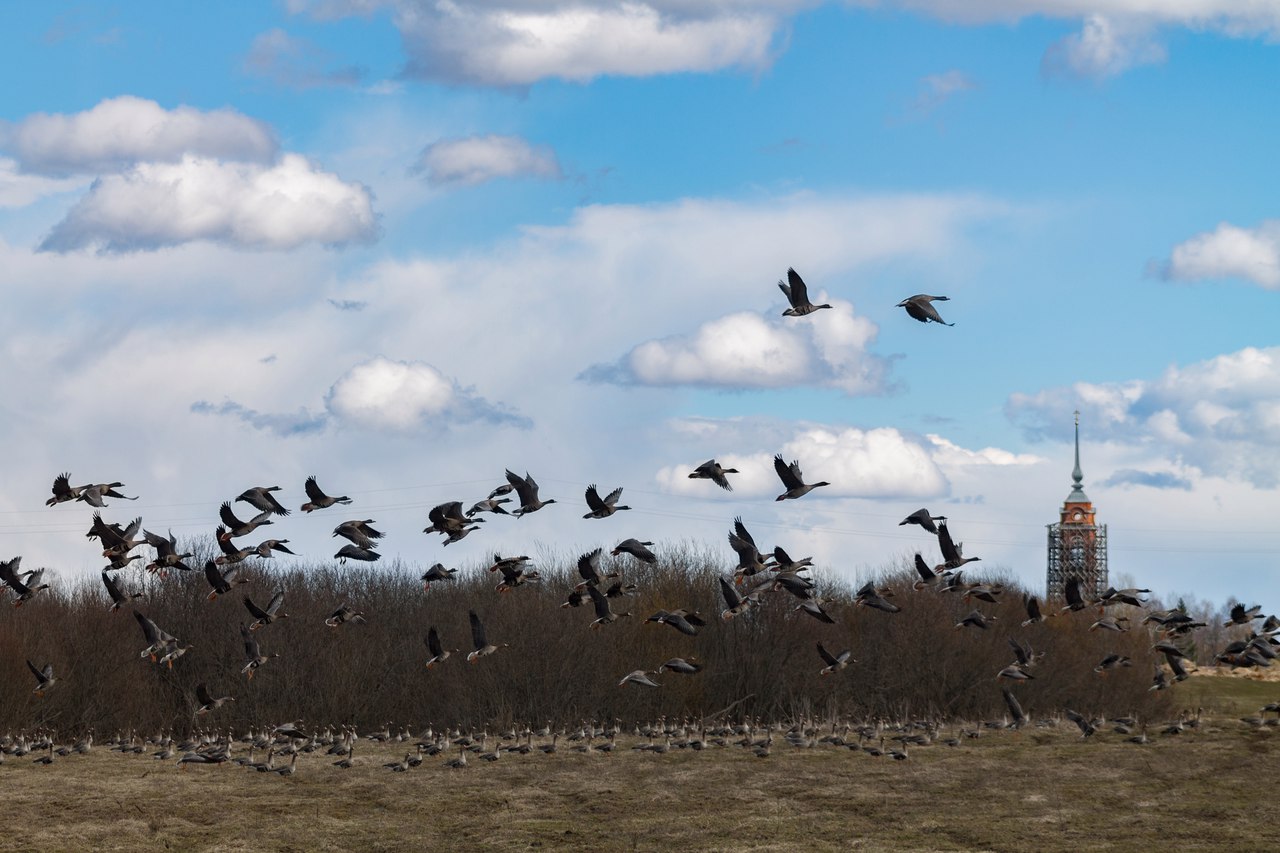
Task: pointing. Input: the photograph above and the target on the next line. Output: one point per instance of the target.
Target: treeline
(911, 664)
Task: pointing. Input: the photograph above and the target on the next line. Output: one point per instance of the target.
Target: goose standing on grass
(603, 507)
(483, 647)
(793, 479)
(44, 677)
(527, 493)
(261, 499)
(118, 596)
(797, 294)
(711, 470)
(317, 499)
(271, 614)
(920, 307)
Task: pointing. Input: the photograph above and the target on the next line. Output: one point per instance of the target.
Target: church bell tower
(1077, 543)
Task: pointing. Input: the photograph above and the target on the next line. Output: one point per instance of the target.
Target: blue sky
(406, 245)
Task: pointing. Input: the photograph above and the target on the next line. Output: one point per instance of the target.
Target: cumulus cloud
(1229, 251)
(875, 463)
(297, 63)
(747, 350)
(403, 396)
(245, 205)
(476, 159)
(1217, 415)
(123, 132)
(949, 454)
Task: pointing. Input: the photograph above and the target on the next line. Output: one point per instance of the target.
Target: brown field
(1039, 789)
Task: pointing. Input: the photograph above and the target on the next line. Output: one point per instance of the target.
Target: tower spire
(1077, 476)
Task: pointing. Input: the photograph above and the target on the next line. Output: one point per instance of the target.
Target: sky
(405, 245)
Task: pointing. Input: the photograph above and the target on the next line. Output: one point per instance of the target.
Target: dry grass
(1042, 789)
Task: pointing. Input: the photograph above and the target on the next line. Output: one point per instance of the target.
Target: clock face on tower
(1077, 515)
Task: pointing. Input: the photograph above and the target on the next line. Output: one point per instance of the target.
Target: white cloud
(1218, 415)
(1103, 48)
(296, 62)
(402, 396)
(244, 205)
(122, 132)
(948, 453)
(1229, 251)
(937, 89)
(476, 159)
(19, 189)
(746, 350)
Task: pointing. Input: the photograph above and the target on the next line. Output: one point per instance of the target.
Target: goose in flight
(603, 507)
(208, 702)
(924, 519)
(93, 495)
(711, 470)
(834, 663)
(439, 654)
(266, 546)
(689, 666)
(750, 561)
(358, 532)
(920, 307)
(230, 553)
(638, 676)
(157, 640)
(355, 552)
(636, 548)
(25, 587)
(118, 596)
(797, 294)
(167, 556)
(253, 656)
(793, 479)
(261, 499)
(952, 557)
(222, 581)
(604, 614)
(271, 614)
(63, 491)
(317, 499)
(527, 493)
(483, 647)
(235, 528)
(44, 677)
(682, 620)
(437, 572)
(345, 614)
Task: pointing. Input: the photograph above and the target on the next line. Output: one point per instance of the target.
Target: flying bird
(317, 499)
(793, 479)
(920, 307)
(711, 470)
(261, 499)
(834, 663)
(603, 507)
(527, 492)
(797, 294)
(924, 519)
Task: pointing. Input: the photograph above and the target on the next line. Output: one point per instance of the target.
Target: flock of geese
(757, 574)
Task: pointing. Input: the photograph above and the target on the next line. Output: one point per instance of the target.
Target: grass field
(1039, 789)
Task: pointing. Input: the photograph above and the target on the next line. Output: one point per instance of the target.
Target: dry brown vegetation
(1039, 789)
(912, 664)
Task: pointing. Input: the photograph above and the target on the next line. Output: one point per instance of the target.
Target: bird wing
(228, 517)
(313, 490)
(276, 601)
(1022, 653)
(922, 568)
(949, 550)
(38, 674)
(613, 497)
(799, 294)
(1072, 592)
(599, 601)
(1033, 607)
(149, 629)
(789, 474)
(202, 694)
(827, 656)
(274, 504)
(477, 630)
(593, 499)
(786, 289)
(112, 590)
(731, 597)
(254, 610)
(589, 567)
(214, 576)
(433, 642)
(1015, 710)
